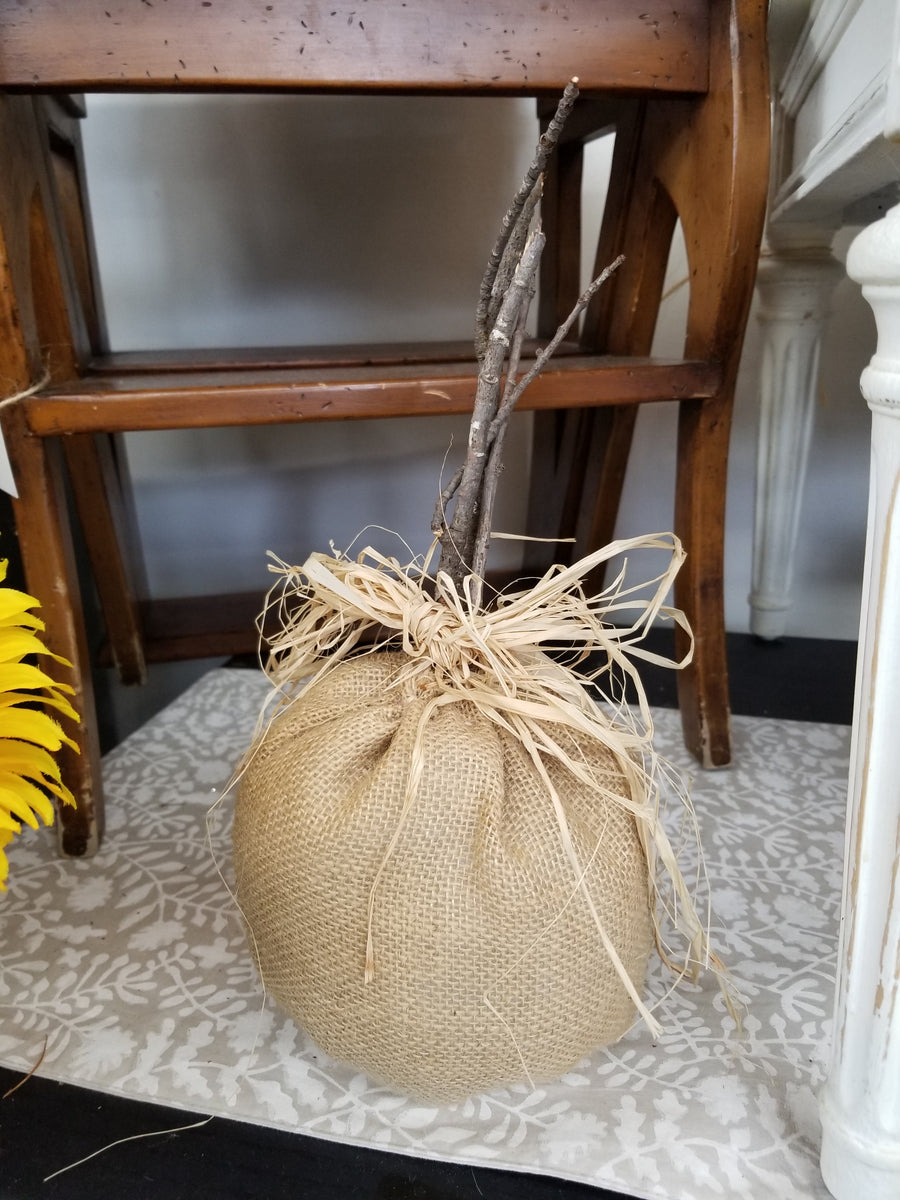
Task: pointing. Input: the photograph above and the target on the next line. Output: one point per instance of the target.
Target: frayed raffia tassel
(498, 660)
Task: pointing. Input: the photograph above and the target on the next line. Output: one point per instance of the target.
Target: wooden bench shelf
(165, 396)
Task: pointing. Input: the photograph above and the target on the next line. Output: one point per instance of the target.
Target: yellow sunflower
(29, 775)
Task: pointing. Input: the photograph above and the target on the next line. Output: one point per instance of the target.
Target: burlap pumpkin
(488, 965)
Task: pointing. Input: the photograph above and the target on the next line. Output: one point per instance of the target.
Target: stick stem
(507, 289)
(530, 183)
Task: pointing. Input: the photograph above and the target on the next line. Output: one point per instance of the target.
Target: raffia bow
(498, 660)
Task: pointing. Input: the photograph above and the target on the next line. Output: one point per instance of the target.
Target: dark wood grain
(507, 46)
(35, 334)
(199, 399)
(268, 358)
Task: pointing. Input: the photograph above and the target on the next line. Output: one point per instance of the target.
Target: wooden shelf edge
(120, 404)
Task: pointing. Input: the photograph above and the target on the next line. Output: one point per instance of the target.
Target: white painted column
(794, 288)
(861, 1099)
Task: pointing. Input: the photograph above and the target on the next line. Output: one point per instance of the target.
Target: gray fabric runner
(134, 968)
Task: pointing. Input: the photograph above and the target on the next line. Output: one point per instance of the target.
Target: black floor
(45, 1126)
(796, 679)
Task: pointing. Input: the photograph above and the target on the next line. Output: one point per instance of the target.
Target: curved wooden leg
(577, 474)
(61, 293)
(48, 559)
(28, 270)
(608, 441)
(557, 457)
(703, 431)
(712, 158)
(558, 464)
(560, 277)
(581, 456)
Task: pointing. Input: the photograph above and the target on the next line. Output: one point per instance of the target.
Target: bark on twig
(506, 293)
(544, 356)
(530, 185)
(459, 538)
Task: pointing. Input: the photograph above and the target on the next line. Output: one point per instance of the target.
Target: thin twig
(544, 356)
(511, 395)
(507, 289)
(544, 149)
(513, 251)
(496, 437)
(458, 540)
(438, 520)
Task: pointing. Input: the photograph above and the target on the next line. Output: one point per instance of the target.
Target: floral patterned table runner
(134, 968)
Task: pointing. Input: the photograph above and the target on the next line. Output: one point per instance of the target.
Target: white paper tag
(7, 483)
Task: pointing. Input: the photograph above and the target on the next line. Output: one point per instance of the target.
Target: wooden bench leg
(34, 334)
(712, 159)
(703, 697)
(48, 559)
(101, 503)
(703, 160)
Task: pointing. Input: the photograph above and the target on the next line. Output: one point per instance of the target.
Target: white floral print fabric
(134, 968)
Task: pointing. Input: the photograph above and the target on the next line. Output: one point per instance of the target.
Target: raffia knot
(495, 656)
(431, 631)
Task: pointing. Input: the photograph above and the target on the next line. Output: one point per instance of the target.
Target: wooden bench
(686, 92)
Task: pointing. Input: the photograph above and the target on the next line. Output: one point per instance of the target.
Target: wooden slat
(505, 46)
(200, 626)
(120, 403)
(269, 358)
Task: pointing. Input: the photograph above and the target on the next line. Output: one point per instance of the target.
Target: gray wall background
(284, 220)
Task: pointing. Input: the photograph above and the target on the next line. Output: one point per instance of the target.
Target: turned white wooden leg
(861, 1099)
(794, 287)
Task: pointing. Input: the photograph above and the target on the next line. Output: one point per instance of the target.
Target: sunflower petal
(55, 786)
(9, 700)
(13, 602)
(24, 758)
(25, 619)
(24, 801)
(60, 703)
(16, 642)
(30, 777)
(61, 792)
(24, 675)
(34, 727)
(9, 826)
(12, 802)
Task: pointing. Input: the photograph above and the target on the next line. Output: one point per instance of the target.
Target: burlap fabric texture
(488, 966)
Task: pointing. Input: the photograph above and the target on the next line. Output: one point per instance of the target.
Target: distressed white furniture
(861, 1102)
(837, 109)
(831, 166)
